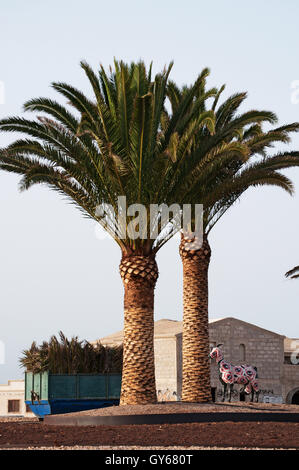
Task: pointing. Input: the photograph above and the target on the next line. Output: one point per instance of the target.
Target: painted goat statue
(229, 375)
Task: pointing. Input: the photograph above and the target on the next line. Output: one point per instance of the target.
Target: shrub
(63, 356)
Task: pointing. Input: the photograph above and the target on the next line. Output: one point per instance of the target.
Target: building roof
(166, 327)
(161, 327)
(15, 385)
(248, 325)
(291, 345)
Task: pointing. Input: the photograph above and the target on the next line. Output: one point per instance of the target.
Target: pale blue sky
(54, 273)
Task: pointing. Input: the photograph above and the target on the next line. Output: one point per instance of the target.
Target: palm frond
(293, 273)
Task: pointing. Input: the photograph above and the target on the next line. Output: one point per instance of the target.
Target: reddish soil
(262, 435)
(181, 407)
(25, 433)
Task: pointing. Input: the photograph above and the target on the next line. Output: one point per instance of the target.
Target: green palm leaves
(227, 157)
(293, 273)
(122, 142)
(125, 142)
(71, 356)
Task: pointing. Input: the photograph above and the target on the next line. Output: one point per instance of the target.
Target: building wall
(13, 390)
(290, 381)
(166, 367)
(263, 349)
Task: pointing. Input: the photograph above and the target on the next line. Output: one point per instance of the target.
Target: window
(242, 352)
(289, 359)
(13, 406)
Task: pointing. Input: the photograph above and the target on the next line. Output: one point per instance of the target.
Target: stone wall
(243, 343)
(263, 349)
(290, 381)
(166, 361)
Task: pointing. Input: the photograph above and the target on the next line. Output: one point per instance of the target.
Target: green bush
(63, 356)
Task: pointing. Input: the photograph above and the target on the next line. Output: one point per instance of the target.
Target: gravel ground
(221, 435)
(21, 419)
(191, 448)
(29, 433)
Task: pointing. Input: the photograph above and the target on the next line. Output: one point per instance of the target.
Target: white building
(12, 399)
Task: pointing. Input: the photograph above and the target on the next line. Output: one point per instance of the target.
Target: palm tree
(63, 356)
(117, 144)
(293, 273)
(233, 145)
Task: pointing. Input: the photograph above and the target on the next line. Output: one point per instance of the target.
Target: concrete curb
(173, 418)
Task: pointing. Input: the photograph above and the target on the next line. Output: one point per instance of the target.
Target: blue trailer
(47, 393)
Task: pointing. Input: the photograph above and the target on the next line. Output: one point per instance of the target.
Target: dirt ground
(34, 434)
(181, 407)
(31, 434)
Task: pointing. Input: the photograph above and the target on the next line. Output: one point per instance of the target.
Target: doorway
(295, 398)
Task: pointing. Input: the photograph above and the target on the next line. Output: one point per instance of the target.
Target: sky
(55, 272)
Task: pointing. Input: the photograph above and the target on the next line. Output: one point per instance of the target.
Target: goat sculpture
(229, 375)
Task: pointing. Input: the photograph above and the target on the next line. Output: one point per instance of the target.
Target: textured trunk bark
(196, 385)
(139, 275)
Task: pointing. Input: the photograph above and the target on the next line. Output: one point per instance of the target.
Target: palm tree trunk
(139, 275)
(196, 385)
